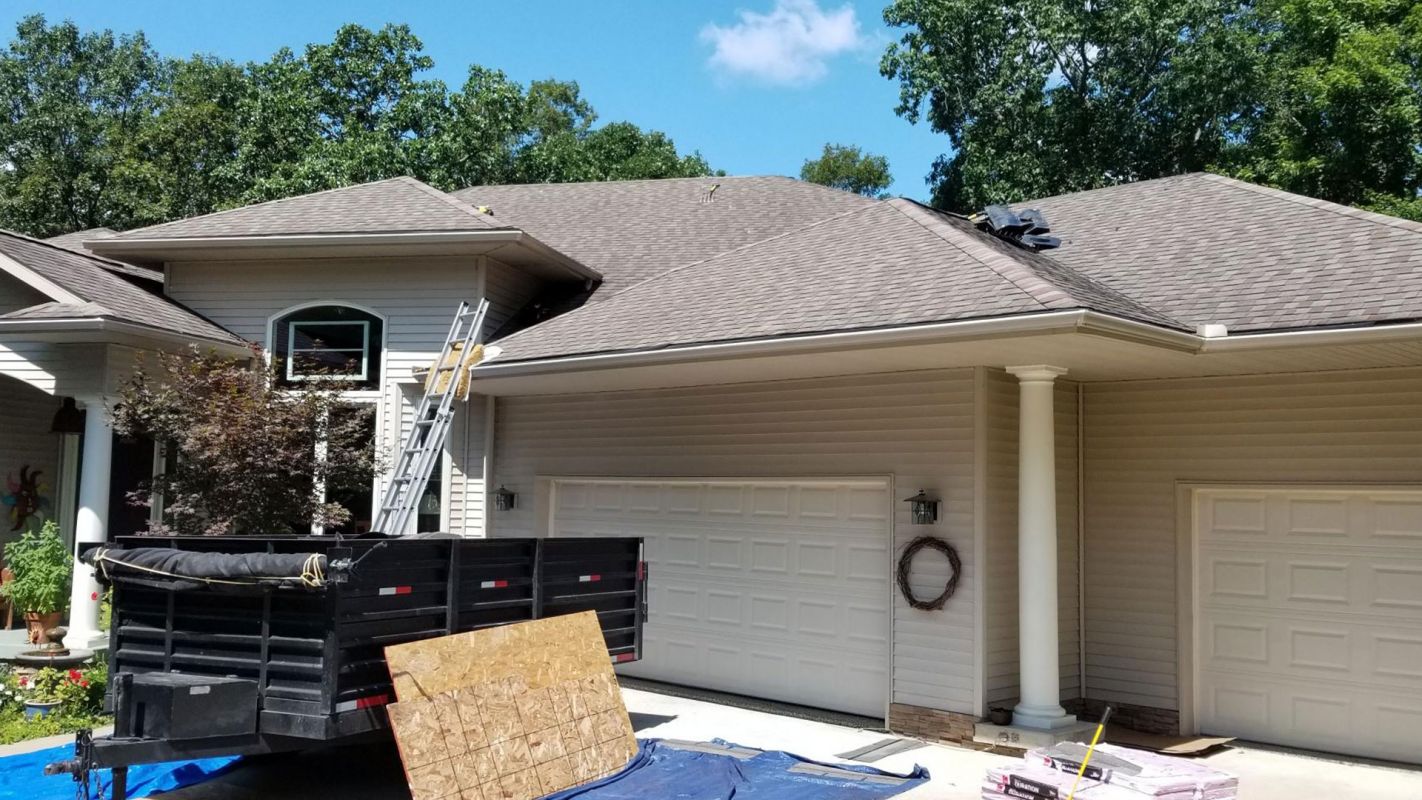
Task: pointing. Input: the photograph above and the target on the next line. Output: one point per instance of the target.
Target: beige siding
(417, 297)
(915, 426)
(1000, 664)
(1145, 438)
(25, 440)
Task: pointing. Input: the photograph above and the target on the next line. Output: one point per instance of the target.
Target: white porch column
(91, 523)
(1040, 677)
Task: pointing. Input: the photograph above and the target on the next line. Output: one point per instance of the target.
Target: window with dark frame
(333, 342)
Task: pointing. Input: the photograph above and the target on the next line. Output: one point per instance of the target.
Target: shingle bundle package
(1114, 773)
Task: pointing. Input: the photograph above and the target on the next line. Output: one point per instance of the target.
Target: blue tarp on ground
(664, 771)
(22, 776)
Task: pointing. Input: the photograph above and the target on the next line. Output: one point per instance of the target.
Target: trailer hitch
(81, 766)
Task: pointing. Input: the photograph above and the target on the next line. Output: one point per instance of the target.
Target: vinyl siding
(1000, 657)
(417, 297)
(1144, 438)
(915, 426)
(25, 440)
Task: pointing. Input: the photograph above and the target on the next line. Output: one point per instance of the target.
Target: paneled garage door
(1309, 618)
(773, 589)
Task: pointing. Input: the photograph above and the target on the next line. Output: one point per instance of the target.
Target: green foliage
(247, 460)
(100, 129)
(849, 168)
(79, 692)
(1038, 97)
(42, 568)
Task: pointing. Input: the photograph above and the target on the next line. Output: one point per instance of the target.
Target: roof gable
(395, 205)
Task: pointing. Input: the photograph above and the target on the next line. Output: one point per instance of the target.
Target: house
(1179, 457)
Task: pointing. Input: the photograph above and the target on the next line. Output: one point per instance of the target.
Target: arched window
(331, 342)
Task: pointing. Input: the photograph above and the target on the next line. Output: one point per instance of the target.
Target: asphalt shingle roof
(633, 230)
(884, 264)
(398, 204)
(75, 241)
(105, 293)
(1209, 249)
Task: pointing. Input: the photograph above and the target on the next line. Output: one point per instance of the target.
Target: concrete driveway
(373, 773)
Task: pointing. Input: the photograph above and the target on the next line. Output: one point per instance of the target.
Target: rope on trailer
(311, 574)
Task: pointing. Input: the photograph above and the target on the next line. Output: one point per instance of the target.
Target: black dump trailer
(227, 665)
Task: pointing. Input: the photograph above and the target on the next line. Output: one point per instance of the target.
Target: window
(332, 342)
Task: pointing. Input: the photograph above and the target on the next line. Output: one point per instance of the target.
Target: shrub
(247, 457)
(41, 565)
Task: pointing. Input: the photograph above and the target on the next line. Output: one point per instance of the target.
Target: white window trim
(364, 350)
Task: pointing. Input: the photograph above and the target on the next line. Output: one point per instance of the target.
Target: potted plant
(41, 566)
(42, 692)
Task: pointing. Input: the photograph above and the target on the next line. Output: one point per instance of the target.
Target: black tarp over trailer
(313, 657)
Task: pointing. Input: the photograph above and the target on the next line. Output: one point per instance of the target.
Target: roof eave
(335, 245)
(108, 329)
(957, 330)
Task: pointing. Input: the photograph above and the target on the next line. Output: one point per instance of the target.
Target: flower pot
(1000, 716)
(38, 624)
(37, 710)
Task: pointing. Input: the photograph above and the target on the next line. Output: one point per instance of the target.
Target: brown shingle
(882, 265)
(397, 204)
(1208, 249)
(633, 230)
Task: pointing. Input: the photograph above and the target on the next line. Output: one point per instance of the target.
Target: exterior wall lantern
(68, 419)
(923, 508)
(504, 499)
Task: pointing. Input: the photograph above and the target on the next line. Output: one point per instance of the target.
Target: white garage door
(1309, 618)
(769, 589)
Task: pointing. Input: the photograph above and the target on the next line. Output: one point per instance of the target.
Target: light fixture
(923, 508)
(504, 499)
(68, 419)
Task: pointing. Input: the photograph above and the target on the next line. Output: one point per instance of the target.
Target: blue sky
(757, 86)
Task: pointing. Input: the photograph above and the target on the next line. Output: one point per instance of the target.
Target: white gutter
(963, 330)
(114, 326)
(1373, 334)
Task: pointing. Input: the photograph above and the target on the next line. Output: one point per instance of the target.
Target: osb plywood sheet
(543, 652)
(509, 713)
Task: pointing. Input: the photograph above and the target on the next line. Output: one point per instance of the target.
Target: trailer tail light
(493, 584)
(641, 570)
(589, 578)
(373, 701)
(622, 657)
(386, 591)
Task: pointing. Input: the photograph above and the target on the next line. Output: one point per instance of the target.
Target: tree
(98, 129)
(1340, 115)
(247, 459)
(73, 106)
(849, 168)
(1039, 97)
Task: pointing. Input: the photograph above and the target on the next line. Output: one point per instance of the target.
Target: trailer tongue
(247, 645)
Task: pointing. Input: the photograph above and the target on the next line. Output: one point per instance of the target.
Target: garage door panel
(776, 589)
(1307, 628)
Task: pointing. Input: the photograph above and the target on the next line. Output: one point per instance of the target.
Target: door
(1309, 618)
(772, 589)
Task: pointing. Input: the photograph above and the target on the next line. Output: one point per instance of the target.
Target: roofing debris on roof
(1027, 227)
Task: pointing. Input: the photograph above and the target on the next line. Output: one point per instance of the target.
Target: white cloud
(787, 46)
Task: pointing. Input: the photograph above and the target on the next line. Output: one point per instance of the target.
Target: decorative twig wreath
(906, 565)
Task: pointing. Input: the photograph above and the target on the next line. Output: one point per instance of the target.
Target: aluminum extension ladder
(425, 439)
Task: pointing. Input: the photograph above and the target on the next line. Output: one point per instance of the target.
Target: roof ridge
(633, 180)
(1020, 275)
(447, 198)
(276, 201)
(612, 297)
(1108, 188)
(1315, 202)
